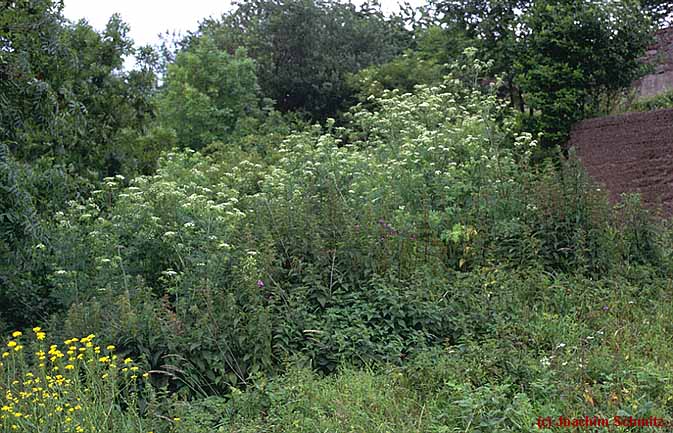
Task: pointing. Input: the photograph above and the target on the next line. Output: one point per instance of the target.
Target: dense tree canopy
(559, 59)
(304, 48)
(64, 93)
(206, 92)
(575, 55)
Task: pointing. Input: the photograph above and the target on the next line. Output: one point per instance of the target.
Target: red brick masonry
(629, 153)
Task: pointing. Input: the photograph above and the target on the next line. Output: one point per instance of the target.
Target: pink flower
(260, 283)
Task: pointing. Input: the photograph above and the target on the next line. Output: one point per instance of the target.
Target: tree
(403, 73)
(63, 91)
(207, 92)
(574, 53)
(491, 26)
(305, 48)
(558, 58)
(29, 38)
(18, 220)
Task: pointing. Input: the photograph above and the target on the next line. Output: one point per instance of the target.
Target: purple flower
(260, 283)
(605, 308)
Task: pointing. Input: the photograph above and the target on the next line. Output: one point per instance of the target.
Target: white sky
(149, 18)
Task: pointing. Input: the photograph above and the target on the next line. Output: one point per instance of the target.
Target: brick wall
(630, 153)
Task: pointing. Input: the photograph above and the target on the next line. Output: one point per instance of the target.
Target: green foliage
(340, 246)
(252, 264)
(572, 220)
(170, 235)
(491, 26)
(554, 345)
(18, 220)
(438, 53)
(19, 230)
(409, 271)
(442, 46)
(207, 92)
(558, 60)
(572, 53)
(305, 48)
(63, 92)
(402, 73)
(658, 102)
(25, 31)
(141, 151)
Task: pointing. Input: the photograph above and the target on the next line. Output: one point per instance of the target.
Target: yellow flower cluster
(49, 389)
